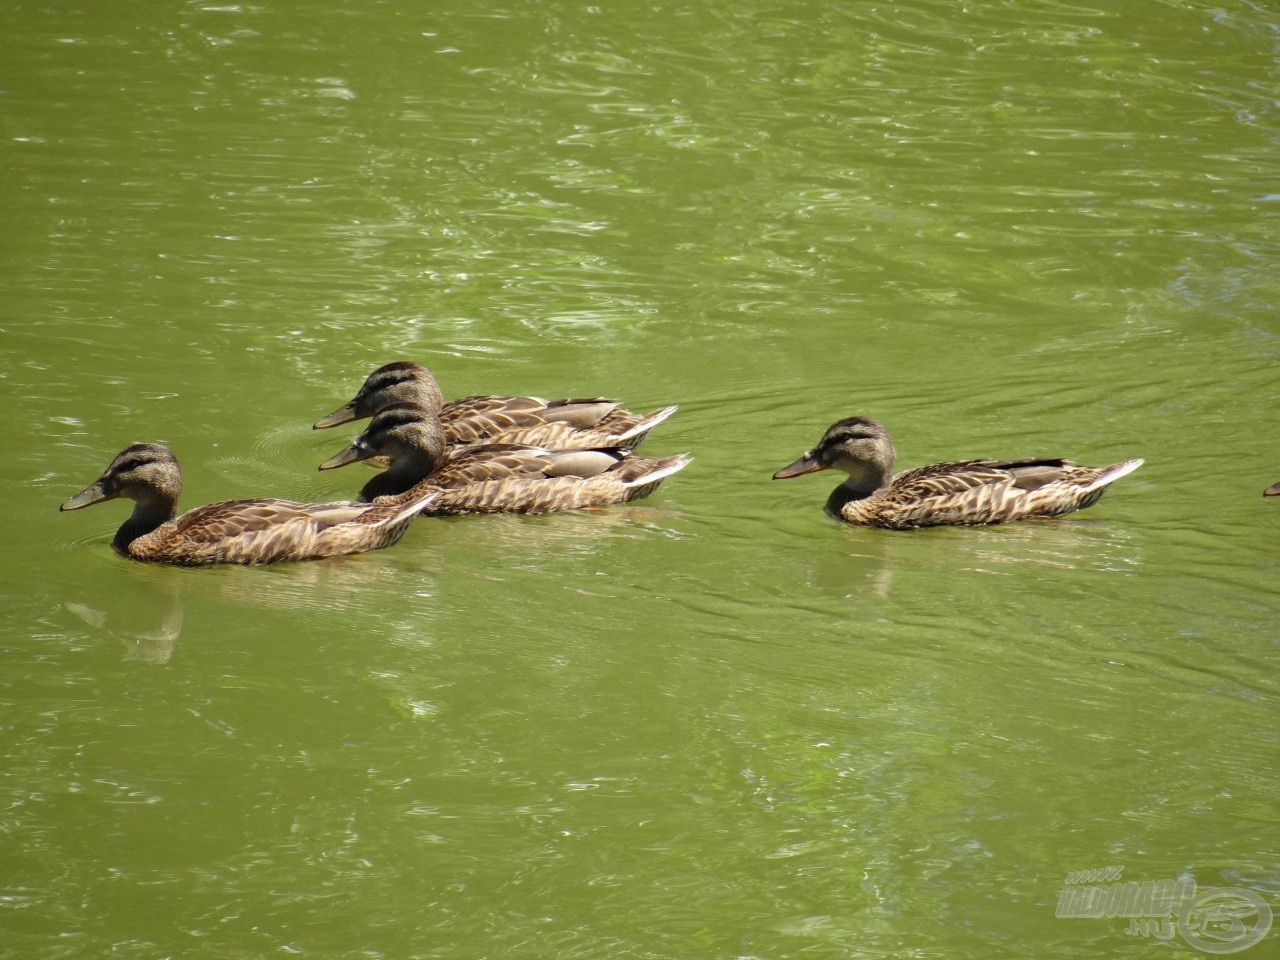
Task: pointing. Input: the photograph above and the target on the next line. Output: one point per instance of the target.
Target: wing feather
(962, 476)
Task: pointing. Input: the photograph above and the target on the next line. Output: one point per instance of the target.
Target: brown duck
(233, 531)
(493, 478)
(1272, 491)
(962, 492)
(532, 421)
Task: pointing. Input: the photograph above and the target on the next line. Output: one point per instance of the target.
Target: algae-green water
(712, 723)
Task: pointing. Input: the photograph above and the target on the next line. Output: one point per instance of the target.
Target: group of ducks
(483, 454)
(497, 454)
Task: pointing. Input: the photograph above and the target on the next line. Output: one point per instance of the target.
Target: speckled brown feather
(963, 492)
(232, 531)
(566, 423)
(494, 478)
(972, 492)
(631, 478)
(270, 531)
(533, 421)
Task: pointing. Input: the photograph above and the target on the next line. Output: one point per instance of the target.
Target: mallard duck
(233, 531)
(493, 478)
(1272, 491)
(963, 492)
(531, 421)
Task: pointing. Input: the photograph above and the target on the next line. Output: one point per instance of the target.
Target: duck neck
(148, 515)
(867, 476)
(864, 478)
(407, 470)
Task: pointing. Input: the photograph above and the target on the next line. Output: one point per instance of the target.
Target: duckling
(531, 421)
(962, 492)
(233, 531)
(493, 478)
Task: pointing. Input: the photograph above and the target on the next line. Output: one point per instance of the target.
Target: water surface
(714, 722)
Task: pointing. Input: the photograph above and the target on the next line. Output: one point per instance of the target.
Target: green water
(713, 723)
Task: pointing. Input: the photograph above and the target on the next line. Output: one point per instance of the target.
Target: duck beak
(353, 454)
(806, 464)
(344, 414)
(1272, 491)
(94, 493)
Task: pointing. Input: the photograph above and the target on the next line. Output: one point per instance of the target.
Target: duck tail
(647, 423)
(1114, 472)
(661, 470)
(415, 506)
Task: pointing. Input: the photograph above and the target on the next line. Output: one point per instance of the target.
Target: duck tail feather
(648, 423)
(664, 468)
(416, 505)
(1115, 472)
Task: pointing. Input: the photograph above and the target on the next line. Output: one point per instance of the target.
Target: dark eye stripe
(390, 380)
(396, 417)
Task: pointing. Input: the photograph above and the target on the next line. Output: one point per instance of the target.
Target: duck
(233, 531)
(964, 492)
(531, 421)
(1272, 491)
(493, 478)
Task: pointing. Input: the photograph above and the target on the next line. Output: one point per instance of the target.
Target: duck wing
(985, 491)
(498, 461)
(566, 484)
(620, 429)
(572, 422)
(961, 477)
(268, 530)
(475, 418)
(233, 518)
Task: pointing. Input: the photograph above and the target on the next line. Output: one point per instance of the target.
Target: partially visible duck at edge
(964, 492)
(233, 531)
(1272, 491)
(493, 478)
(534, 421)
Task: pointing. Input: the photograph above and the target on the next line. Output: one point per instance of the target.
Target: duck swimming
(233, 531)
(964, 492)
(493, 478)
(534, 421)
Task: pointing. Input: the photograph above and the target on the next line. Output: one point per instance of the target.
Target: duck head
(146, 473)
(401, 382)
(408, 435)
(857, 446)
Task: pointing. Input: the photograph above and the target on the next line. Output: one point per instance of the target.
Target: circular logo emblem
(1225, 920)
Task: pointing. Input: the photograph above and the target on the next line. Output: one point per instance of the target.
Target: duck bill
(353, 454)
(344, 414)
(806, 464)
(94, 493)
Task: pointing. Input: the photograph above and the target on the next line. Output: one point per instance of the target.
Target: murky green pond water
(712, 723)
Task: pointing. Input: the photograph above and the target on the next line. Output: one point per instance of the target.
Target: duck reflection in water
(144, 615)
